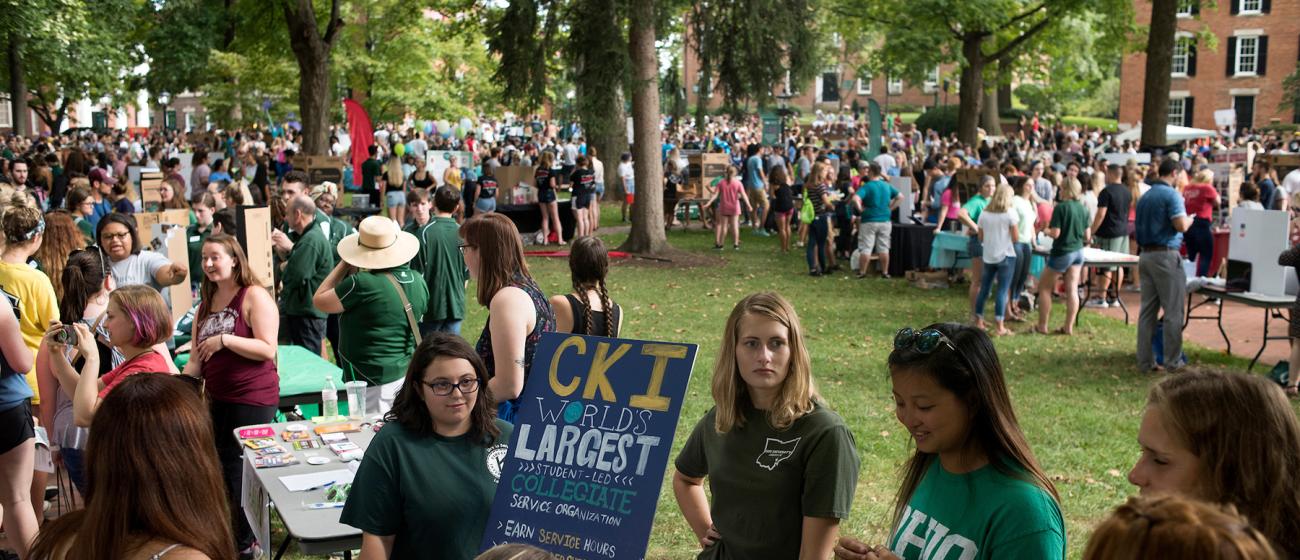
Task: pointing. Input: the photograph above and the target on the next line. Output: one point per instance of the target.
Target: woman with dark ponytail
(588, 310)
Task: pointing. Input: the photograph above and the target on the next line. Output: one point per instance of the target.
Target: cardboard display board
(1229, 172)
(149, 185)
(583, 470)
(165, 232)
(704, 170)
(1283, 163)
(512, 178)
(320, 168)
(439, 160)
(253, 231)
(1257, 237)
(967, 180)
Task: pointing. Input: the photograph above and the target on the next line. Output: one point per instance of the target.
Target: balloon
(428, 127)
(465, 123)
(444, 127)
(399, 149)
(461, 130)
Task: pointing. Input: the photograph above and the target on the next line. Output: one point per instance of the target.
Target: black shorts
(16, 426)
(546, 195)
(582, 201)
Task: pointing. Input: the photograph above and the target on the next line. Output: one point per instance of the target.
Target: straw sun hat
(378, 244)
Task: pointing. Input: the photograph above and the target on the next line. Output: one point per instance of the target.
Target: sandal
(1063, 330)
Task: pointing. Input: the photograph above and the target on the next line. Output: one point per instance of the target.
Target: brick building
(838, 86)
(1258, 46)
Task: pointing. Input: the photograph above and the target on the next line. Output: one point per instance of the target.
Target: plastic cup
(356, 398)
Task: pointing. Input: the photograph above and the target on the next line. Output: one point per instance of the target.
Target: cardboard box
(253, 230)
(509, 177)
(320, 168)
(703, 171)
(928, 280)
(164, 232)
(149, 195)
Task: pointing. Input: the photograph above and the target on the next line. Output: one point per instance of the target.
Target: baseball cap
(97, 175)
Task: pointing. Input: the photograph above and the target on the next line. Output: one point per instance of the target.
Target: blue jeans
(1003, 271)
(449, 326)
(1023, 256)
(75, 462)
(818, 230)
(485, 205)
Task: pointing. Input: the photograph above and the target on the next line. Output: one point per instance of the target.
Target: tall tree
(752, 45)
(1160, 61)
(311, 48)
(647, 235)
(600, 66)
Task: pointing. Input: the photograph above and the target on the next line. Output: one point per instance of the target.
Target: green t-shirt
(194, 237)
(975, 206)
(764, 481)
(1072, 218)
(977, 515)
(88, 230)
(443, 267)
(375, 341)
(433, 493)
(308, 265)
(876, 196)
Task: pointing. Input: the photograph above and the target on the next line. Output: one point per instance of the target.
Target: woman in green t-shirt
(973, 489)
(426, 484)
(1070, 231)
(768, 430)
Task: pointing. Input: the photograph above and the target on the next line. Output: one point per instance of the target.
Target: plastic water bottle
(329, 398)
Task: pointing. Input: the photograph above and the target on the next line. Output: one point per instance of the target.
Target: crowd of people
(89, 344)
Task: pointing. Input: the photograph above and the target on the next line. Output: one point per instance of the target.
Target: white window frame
(1178, 106)
(1250, 7)
(931, 84)
(6, 114)
(1239, 66)
(864, 85)
(1182, 60)
(1185, 8)
(894, 86)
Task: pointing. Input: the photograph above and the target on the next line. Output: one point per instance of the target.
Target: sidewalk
(1244, 325)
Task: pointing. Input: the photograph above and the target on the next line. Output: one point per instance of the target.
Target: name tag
(195, 238)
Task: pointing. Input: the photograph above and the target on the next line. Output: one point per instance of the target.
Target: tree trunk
(312, 51)
(647, 235)
(971, 95)
(989, 117)
(18, 87)
(702, 95)
(237, 110)
(612, 142)
(598, 75)
(1160, 60)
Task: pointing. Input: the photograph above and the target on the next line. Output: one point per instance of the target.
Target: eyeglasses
(112, 236)
(443, 388)
(923, 341)
(464, 246)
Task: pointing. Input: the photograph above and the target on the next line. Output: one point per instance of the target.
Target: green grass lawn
(1109, 125)
(1078, 398)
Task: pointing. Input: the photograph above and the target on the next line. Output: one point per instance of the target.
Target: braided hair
(588, 265)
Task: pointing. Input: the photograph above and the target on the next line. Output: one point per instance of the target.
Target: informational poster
(771, 130)
(440, 160)
(256, 504)
(254, 235)
(582, 474)
(1229, 167)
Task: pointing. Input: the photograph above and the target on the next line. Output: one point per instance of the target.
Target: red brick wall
(1210, 87)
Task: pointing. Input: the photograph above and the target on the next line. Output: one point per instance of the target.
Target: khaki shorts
(1113, 244)
(757, 198)
(873, 237)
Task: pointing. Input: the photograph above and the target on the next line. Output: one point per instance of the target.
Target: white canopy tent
(1172, 134)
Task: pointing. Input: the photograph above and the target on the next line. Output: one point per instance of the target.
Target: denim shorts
(395, 198)
(974, 247)
(485, 205)
(1060, 263)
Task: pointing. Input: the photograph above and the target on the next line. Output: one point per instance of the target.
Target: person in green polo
(443, 265)
(305, 268)
(378, 335)
(203, 206)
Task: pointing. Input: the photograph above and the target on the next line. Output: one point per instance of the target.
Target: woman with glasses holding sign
(973, 488)
(426, 485)
(782, 467)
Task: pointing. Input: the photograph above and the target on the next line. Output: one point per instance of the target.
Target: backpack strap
(406, 305)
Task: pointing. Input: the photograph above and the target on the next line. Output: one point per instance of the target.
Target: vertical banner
(771, 128)
(591, 442)
(873, 121)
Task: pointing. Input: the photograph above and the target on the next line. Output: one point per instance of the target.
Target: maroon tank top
(232, 378)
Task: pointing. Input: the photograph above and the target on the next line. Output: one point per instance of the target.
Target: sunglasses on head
(923, 341)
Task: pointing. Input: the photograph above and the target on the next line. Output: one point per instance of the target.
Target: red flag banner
(363, 136)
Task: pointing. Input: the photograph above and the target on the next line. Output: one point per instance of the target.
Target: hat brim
(400, 253)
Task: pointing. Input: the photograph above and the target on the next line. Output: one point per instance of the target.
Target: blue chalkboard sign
(591, 441)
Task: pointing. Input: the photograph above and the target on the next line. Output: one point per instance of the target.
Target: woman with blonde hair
(768, 427)
(1201, 199)
(1176, 527)
(62, 237)
(170, 191)
(998, 234)
(1225, 437)
(394, 181)
(1069, 231)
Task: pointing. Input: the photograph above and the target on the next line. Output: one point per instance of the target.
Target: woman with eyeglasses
(782, 467)
(119, 238)
(426, 484)
(973, 488)
(82, 206)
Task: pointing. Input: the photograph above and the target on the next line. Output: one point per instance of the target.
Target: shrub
(942, 119)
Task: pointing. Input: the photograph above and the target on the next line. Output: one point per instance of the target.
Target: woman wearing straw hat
(375, 343)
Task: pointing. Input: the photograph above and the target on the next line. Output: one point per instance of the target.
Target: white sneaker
(1097, 303)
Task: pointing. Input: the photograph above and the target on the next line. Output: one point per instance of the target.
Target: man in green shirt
(305, 268)
(443, 265)
(197, 233)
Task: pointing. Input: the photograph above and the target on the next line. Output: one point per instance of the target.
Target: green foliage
(243, 81)
(599, 66)
(751, 45)
(522, 36)
(942, 119)
(1291, 92)
(1101, 101)
(178, 37)
(1040, 99)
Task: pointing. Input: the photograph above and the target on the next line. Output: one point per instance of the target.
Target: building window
(895, 86)
(932, 81)
(1247, 55)
(1178, 111)
(1251, 7)
(1188, 8)
(830, 87)
(864, 85)
(6, 114)
(1182, 51)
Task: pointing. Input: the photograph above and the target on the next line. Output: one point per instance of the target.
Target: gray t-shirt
(140, 268)
(1044, 189)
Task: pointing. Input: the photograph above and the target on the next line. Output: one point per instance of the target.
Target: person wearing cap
(305, 268)
(101, 187)
(1161, 220)
(376, 339)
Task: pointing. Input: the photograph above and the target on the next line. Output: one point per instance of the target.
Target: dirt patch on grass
(672, 258)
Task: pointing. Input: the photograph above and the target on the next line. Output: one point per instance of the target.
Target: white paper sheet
(300, 482)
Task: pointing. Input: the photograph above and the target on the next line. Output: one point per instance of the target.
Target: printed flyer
(586, 462)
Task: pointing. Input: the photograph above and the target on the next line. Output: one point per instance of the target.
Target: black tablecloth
(528, 217)
(909, 247)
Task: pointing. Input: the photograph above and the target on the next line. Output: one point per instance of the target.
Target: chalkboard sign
(771, 130)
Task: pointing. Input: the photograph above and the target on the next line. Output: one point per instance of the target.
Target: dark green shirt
(764, 481)
(88, 230)
(194, 238)
(1072, 218)
(443, 267)
(370, 171)
(375, 341)
(308, 265)
(430, 492)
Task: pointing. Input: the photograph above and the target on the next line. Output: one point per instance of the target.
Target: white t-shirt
(626, 173)
(996, 227)
(598, 168)
(1291, 183)
(1027, 214)
(886, 162)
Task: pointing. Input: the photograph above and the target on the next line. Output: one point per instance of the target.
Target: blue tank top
(13, 386)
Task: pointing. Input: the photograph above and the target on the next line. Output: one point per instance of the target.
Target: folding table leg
(284, 545)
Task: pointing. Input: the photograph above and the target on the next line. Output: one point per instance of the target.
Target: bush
(942, 119)
(903, 108)
(1014, 114)
(1039, 99)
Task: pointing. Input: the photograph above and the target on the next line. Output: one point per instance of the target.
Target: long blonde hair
(1070, 189)
(1001, 201)
(730, 393)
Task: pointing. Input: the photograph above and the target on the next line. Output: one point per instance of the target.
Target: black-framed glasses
(443, 388)
(923, 341)
(463, 245)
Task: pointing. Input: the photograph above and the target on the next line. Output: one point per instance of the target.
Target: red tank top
(232, 378)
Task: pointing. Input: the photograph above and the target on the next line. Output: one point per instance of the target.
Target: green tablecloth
(302, 373)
